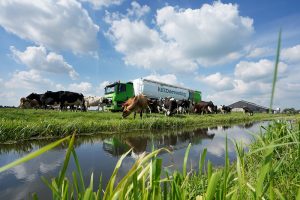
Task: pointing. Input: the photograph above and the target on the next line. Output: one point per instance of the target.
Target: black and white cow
(183, 106)
(169, 106)
(51, 99)
(36, 97)
(153, 105)
(63, 99)
(248, 110)
(224, 109)
(72, 99)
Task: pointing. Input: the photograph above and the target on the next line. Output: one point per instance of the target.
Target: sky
(225, 49)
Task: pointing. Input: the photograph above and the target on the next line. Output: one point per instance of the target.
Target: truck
(119, 92)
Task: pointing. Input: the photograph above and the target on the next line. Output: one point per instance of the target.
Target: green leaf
(202, 160)
(212, 185)
(82, 186)
(66, 162)
(276, 69)
(185, 159)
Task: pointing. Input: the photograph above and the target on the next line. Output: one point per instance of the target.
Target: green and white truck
(119, 92)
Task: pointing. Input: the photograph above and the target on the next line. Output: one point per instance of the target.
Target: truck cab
(117, 93)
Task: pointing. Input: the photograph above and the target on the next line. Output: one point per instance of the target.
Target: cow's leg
(149, 109)
(141, 114)
(134, 114)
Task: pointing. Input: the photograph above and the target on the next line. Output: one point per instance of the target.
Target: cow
(205, 107)
(183, 106)
(169, 106)
(224, 109)
(248, 110)
(51, 99)
(28, 103)
(135, 104)
(91, 101)
(153, 105)
(35, 96)
(63, 99)
(73, 100)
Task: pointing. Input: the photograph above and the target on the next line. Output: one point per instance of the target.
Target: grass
(19, 125)
(268, 171)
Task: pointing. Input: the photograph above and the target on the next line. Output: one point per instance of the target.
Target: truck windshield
(110, 89)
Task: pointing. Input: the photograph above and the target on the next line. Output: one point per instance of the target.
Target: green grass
(268, 171)
(19, 124)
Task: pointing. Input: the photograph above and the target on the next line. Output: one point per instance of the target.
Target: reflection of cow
(248, 110)
(246, 125)
(136, 104)
(203, 133)
(138, 145)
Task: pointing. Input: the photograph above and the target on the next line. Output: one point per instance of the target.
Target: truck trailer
(119, 92)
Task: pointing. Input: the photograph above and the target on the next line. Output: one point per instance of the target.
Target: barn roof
(242, 103)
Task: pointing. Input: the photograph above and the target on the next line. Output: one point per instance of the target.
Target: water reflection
(172, 142)
(99, 154)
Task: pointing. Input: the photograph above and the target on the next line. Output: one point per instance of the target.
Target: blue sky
(226, 49)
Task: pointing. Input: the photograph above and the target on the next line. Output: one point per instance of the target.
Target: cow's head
(105, 100)
(126, 112)
(22, 102)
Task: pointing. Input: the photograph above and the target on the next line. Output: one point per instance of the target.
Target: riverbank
(19, 124)
(270, 170)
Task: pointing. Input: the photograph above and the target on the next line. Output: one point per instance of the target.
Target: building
(238, 107)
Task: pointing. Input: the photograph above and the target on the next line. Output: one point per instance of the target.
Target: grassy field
(20, 124)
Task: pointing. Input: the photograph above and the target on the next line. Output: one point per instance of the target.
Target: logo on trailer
(168, 91)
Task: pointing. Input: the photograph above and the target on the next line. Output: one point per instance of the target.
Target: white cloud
(291, 54)
(166, 78)
(261, 52)
(210, 35)
(211, 32)
(58, 25)
(261, 70)
(82, 87)
(38, 58)
(252, 81)
(217, 81)
(143, 47)
(98, 4)
(137, 10)
(99, 90)
(31, 80)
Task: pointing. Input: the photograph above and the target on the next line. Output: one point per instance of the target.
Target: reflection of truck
(119, 92)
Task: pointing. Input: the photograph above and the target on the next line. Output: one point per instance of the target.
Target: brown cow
(29, 103)
(136, 104)
(204, 107)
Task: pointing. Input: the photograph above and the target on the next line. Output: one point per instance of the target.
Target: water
(99, 154)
